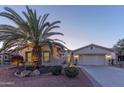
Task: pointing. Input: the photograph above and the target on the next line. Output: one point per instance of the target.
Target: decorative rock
(17, 75)
(35, 73)
(25, 73)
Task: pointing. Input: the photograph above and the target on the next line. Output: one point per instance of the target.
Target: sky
(82, 25)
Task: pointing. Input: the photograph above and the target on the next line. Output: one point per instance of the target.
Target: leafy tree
(119, 47)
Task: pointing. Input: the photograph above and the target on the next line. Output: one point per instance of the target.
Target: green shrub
(45, 69)
(29, 67)
(71, 72)
(56, 70)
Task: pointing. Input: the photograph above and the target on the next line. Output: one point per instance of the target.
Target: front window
(28, 56)
(46, 56)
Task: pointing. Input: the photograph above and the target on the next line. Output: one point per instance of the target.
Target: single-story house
(93, 55)
(47, 58)
(88, 55)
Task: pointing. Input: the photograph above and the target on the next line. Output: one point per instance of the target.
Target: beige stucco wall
(23, 51)
(53, 60)
(93, 55)
(95, 50)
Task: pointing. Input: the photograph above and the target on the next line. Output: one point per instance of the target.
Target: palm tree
(32, 30)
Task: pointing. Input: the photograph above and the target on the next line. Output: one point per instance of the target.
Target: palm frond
(32, 28)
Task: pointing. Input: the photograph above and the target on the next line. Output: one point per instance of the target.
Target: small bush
(56, 70)
(29, 67)
(45, 69)
(71, 72)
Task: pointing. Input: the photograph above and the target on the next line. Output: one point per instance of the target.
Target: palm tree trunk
(37, 55)
(39, 52)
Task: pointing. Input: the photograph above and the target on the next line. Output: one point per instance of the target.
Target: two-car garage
(92, 55)
(92, 60)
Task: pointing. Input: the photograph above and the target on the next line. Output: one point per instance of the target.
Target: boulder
(17, 75)
(35, 73)
(25, 73)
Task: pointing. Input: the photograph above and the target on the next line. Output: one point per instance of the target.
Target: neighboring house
(47, 58)
(93, 55)
(5, 57)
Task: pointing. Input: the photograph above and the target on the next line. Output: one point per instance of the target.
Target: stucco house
(93, 55)
(88, 55)
(47, 58)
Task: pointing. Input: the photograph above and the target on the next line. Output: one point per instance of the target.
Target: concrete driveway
(106, 76)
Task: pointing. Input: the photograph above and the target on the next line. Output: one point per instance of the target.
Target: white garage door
(92, 60)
